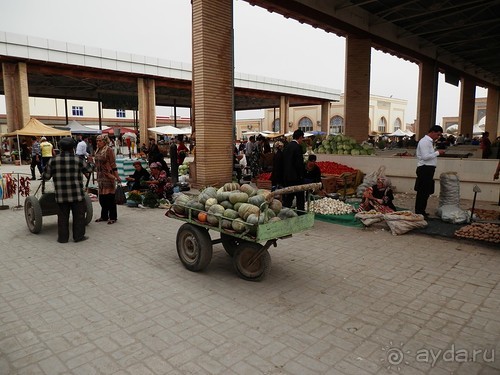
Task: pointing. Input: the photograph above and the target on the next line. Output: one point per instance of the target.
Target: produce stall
(244, 217)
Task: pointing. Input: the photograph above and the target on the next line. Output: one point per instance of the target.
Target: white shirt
(426, 155)
(81, 148)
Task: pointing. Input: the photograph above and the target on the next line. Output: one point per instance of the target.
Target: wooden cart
(43, 203)
(251, 258)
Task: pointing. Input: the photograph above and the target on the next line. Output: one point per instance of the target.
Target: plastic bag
(120, 195)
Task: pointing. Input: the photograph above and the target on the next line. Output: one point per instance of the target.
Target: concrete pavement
(338, 300)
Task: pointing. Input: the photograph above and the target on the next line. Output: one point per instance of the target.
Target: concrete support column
(284, 113)
(325, 116)
(147, 107)
(492, 124)
(15, 84)
(467, 101)
(213, 90)
(427, 98)
(357, 87)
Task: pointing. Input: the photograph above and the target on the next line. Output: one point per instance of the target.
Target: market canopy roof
(171, 130)
(398, 133)
(37, 128)
(76, 128)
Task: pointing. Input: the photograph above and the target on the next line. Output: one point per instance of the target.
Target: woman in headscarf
(379, 197)
(107, 177)
(159, 183)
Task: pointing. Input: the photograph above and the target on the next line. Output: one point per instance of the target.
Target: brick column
(284, 113)
(147, 108)
(325, 116)
(15, 84)
(467, 101)
(427, 98)
(492, 112)
(213, 92)
(357, 87)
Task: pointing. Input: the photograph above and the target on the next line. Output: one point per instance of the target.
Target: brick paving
(338, 300)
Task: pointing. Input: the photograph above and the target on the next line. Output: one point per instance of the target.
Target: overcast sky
(266, 44)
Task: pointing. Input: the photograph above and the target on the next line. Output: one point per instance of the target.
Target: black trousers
(36, 162)
(424, 186)
(78, 210)
(108, 206)
(299, 197)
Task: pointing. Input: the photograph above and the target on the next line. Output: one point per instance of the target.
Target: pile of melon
(234, 207)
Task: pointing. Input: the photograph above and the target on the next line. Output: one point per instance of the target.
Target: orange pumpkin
(202, 216)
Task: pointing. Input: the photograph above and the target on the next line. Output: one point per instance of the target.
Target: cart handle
(296, 188)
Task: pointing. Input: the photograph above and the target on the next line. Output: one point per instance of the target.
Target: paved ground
(338, 300)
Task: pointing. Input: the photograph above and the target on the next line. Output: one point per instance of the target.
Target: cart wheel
(33, 214)
(230, 243)
(248, 268)
(194, 247)
(90, 210)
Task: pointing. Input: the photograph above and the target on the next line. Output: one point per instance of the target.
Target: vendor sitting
(159, 183)
(313, 173)
(379, 197)
(137, 180)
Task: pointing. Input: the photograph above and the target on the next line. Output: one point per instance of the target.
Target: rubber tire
(230, 243)
(90, 210)
(261, 267)
(194, 247)
(33, 214)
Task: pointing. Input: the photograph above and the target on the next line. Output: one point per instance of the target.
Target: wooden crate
(329, 183)
(264, 184)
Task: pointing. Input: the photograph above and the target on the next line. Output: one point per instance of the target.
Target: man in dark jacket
(66, 170)
(293, 169)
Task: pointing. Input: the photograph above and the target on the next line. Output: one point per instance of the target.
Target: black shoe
(33, 177)
(62, 241)
(82, 239)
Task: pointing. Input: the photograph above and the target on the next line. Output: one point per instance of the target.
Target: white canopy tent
(398, 133)
(171, 130)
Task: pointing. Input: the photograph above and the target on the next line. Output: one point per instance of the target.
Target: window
(382, 125)
(120, 113)
(336, 125)
(305, 124)
(397, 124)
(77, 110)
(276, 125)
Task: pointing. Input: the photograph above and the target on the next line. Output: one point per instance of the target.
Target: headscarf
(278, 144)
(385, 180)
(155, 165)
(102, 148)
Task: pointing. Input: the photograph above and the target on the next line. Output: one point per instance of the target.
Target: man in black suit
(294, 170)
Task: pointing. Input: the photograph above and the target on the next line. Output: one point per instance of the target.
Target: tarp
(37, 128)
(76, 128)
(171, 130)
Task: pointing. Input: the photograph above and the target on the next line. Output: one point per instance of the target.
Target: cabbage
(354, 152)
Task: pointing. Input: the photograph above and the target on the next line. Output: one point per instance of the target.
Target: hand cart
(43, 203)
(251, 260)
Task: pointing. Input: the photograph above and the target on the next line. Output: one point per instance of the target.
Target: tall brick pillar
(325, 116)
(492, 124)
(427, 98)
(15, 84)
(213, 91)
(467, 100)
(147, 107)
(357, 87)
(284, 113)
